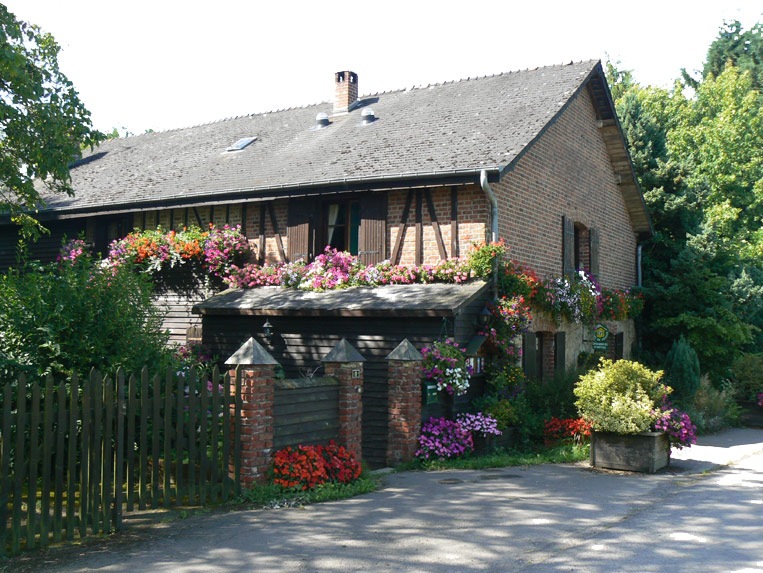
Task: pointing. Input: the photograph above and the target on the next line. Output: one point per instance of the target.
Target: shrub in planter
(622, 397)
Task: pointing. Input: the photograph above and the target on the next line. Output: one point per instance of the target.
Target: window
(342, 225)
(580, 248)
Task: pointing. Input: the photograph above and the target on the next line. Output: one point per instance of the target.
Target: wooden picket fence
(77, 454)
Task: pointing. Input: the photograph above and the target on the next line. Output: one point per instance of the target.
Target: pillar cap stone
(251, 353)
(343, 352)
(405, 352)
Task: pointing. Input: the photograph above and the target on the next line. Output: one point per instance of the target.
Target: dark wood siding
(305, 411)
(179, 317)
(373, 227)
(301, 221)
(45, 249)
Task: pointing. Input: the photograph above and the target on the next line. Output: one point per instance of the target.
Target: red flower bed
(306, 467)
(568, 429)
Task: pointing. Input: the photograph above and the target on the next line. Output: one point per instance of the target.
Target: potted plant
(633, 424)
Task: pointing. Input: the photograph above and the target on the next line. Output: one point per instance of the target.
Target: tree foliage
(682, 370)
(742, 48)
(72, 316)
(698, 160)
(43, 124)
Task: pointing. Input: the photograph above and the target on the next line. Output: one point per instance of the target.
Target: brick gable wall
(567, 171)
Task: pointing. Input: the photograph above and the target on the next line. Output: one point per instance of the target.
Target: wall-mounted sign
(431, 394)
(600, 336)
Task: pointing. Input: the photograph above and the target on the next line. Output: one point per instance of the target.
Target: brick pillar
(257, 370)
(404, 374)
(346, 365)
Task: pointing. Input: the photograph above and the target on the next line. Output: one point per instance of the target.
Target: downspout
(638, 265)
(493, 221)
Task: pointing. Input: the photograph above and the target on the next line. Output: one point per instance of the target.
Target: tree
(744, 49)
(698, 161)
(43, 124)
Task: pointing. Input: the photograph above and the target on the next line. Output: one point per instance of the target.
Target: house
(536, 157)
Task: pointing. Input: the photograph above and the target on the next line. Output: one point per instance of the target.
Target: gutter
(493, 222)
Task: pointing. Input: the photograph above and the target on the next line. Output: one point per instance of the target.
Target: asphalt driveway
(545, 518)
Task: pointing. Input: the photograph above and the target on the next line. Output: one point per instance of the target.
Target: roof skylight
(241, 144)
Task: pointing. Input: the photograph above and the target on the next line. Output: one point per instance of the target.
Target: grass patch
(274, 496)
(562, 453)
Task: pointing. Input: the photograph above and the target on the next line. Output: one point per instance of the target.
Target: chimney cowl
(321, 120)
(345, 91)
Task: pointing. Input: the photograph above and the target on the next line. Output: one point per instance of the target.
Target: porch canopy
(413, 300)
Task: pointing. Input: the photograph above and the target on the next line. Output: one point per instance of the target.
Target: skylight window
(241, 144)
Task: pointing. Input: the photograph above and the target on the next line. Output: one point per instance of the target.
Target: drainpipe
(493, 221)
(638, 265)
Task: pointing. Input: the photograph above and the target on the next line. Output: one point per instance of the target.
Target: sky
(164, 64)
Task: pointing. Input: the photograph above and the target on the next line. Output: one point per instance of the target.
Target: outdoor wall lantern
(267, 329)
(483, 318)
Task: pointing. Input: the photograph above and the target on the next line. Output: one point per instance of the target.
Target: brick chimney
(345, 91)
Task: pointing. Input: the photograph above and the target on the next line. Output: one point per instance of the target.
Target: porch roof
(390, 300)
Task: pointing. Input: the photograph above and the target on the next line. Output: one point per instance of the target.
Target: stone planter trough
(645, 452)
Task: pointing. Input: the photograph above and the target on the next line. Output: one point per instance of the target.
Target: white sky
(164, 64)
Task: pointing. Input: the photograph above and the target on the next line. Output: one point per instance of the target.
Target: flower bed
(306, 467)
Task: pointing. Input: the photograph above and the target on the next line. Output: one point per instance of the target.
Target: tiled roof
(461, 126)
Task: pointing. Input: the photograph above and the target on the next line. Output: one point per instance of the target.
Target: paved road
(543, 518)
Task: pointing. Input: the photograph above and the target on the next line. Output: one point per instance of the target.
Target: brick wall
(566, 172)
(472, 215)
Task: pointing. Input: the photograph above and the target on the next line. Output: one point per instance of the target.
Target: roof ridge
(385, 92)
(478, 77)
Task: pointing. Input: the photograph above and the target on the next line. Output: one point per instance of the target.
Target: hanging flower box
(645, 452)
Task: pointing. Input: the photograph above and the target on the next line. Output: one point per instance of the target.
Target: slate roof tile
(465, 125)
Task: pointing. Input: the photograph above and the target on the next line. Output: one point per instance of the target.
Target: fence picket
(119, 458)
(144, 412)
(226, 432)
(76, 478)
(5, 468)
(19, 467)
(108, 455)
(131, 442)
(156, 426)
(215, 437)
(34, 460)
(71, 484)
(86, 460)
(97, 447)
(47, 453)
(192, 436)
(203, 428)
(179, 442)
(58, 504)
(167, 438)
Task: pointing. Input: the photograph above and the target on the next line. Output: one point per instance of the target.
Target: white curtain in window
(333, 214)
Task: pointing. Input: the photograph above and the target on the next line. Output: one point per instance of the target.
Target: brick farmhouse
(536, 157)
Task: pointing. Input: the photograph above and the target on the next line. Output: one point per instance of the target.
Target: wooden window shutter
(530, 355)
(372, 241)
(568, 246)
(619, 345)
(593, 241)
(301, 228)
(560, 349)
